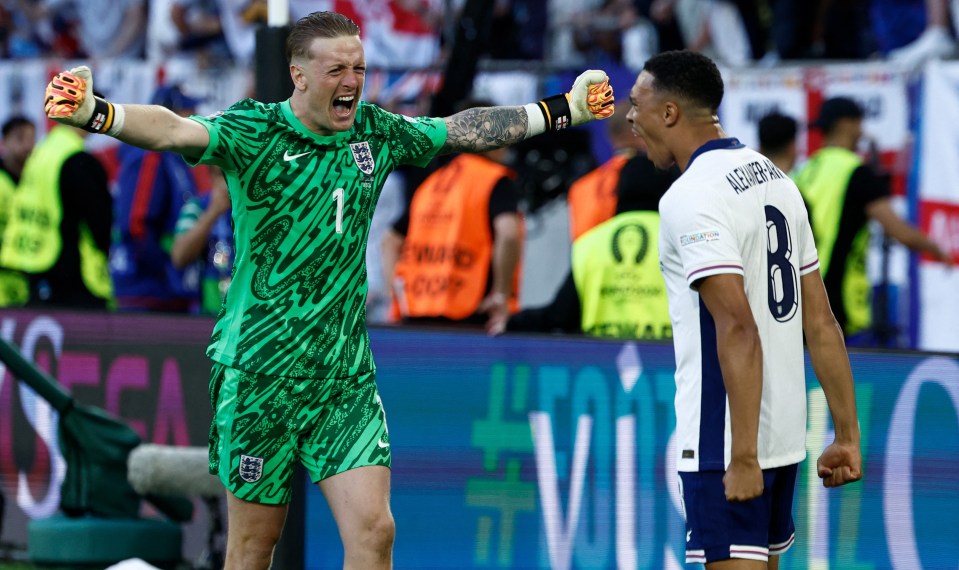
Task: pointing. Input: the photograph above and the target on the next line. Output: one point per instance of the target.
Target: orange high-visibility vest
(445, 262)
(592, 198)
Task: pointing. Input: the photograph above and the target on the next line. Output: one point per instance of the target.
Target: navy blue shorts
(717, 529)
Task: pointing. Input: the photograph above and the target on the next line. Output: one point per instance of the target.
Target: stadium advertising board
(514, 452)
(150, 371)
(528, 452)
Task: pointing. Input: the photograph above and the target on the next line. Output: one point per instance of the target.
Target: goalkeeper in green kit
(293, 378)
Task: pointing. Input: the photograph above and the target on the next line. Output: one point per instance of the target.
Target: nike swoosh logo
(288, 157)
(382, 445)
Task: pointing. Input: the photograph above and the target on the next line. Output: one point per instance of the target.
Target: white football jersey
(733, 211)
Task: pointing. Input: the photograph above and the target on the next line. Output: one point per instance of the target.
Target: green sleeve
(413, 140)
(235, 135)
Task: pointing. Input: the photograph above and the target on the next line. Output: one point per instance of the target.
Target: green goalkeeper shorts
(263, 425)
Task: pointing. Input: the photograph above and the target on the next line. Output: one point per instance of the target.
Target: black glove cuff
(102, 118)
(556, 112)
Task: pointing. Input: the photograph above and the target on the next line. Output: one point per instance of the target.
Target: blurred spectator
(843, 193)
(896, 23)
(58, 233)
(162, 37)
(389, 207)
(397, 33)
(107, 28)
(592, 198)
(936, 40)
(660, 14)
(455, 256)
(599, 34)
(504, 36)
(564, 17)
(611, 31)
(19, 136)
(757, 30)
(615, 288)
(151, 189)
(777, 140)
(714, 27)
(187, 28)
(204, 239)
(200, 30)
(518, 29)
(816, 29)
(17, 31)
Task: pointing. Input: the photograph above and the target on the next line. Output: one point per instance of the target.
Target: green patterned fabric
(302, 205)
(264, 425)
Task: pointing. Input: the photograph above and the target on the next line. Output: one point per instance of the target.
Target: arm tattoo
(485, 128)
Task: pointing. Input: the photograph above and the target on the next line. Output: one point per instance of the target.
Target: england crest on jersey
(251, 468)
(363, 156)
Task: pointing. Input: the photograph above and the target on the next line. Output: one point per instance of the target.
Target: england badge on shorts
(363, 156)
(251, 468)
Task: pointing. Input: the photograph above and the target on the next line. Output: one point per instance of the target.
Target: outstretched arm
(189, 245)
(488, 128)
(70, 100)
(390, 250)
(841, 461)
(485, 128)
(904, 232)
(155, 127)
(507, 250)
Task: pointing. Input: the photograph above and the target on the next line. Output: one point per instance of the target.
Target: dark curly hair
(14, 123)
(688, 75)
(776, 131)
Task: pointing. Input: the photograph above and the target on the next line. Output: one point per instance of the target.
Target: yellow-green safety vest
(32, 240)
(616, 270)
(13, 285)
(823, 182)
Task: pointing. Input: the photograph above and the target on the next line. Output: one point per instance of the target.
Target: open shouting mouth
(343, 105)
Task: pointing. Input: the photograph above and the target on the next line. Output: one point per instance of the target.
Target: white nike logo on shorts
(381, 444)
(288, 157)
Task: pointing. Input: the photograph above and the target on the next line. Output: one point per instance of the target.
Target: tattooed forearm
(485, 128)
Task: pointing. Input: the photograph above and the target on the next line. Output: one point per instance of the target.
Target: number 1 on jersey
(338, 198)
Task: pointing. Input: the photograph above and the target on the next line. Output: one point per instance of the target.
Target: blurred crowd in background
(560, 32)
(151, 234)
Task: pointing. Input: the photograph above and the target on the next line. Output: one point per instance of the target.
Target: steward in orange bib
(615, 288)
(592, 198)
(459, 260)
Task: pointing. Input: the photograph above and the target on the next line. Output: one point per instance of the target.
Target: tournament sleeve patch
(698, 237)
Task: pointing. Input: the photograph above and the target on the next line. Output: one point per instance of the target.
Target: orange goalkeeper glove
(590, 98)
(70, 100)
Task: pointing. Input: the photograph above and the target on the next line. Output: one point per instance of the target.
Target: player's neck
(782, 161)
(301, 110)
(840, 142)
(12, 166)
(696, 137)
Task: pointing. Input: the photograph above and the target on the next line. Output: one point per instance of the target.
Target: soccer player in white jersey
(743, 282)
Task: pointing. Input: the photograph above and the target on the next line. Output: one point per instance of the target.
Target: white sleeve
(703, 235)
(809, 256)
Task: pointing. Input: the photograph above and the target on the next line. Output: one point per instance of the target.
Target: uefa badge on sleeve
(251, 468)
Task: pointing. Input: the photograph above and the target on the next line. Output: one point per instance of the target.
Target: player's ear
(299, 78)
(670, 113)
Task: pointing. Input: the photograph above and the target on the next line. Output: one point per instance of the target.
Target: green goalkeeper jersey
(302, 205)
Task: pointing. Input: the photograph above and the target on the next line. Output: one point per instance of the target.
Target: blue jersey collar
(715, 144)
